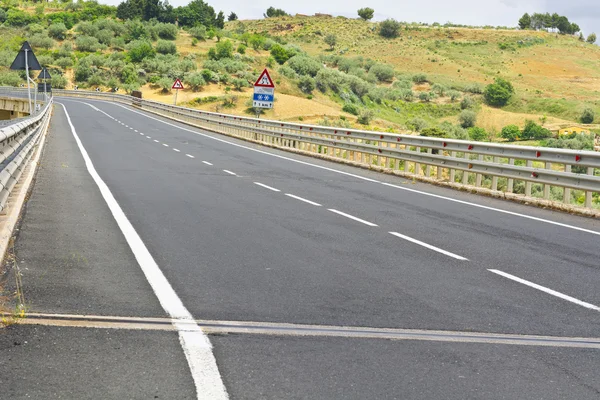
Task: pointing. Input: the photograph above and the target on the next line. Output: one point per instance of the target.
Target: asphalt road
(244, 233)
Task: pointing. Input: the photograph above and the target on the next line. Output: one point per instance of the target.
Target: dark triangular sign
(32, 61)
(44, 74)
(265, 80)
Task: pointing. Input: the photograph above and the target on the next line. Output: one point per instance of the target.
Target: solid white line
(352, 217)
(189, 155)
(177, 150)
(359, 176)
(166, 145)
(135, 130)
(142, 133)
(267, 187)
(229, 172)
(156, 141)
(195, 343)
(303, 199)
(546, 290)
(401, 236)
(148, 137)
(206, 162)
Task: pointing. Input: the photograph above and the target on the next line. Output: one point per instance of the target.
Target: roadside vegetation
(488, 84)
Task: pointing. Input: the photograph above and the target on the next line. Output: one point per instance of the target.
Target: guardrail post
(589, 195)
(567, 191)
(529, 164)
(452, 170)
(479, 177)
(418, 165)
(510, 184)
(428, 167)
(495, 178)
(547, 187)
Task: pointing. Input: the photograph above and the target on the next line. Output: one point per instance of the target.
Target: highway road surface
(162, 261)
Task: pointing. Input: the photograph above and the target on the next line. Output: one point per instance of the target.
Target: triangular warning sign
(32, 62)
(265, 80)
(177, 84)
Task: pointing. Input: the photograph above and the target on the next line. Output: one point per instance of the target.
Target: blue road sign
(264, 97)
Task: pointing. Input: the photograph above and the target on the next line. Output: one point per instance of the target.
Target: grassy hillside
(429, 80)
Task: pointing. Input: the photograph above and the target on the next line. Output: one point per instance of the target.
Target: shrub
(304, 65)
(105, 37)
(257, 41)
(510, 133)
(2, 15)
(96, 80)
(241, 49)
(165, 84)
(498, 93)
(57, 31)
(64, 62)
(328, 79)
(383, 73)
(306, 84)
(365, 116)
(402, 84)
(419, 78)
(45, 60)
(86, 28)
(417, 124)
(288, 72)
(239, 84)
(65, 50)
(9, 78)
(350, 109)
(166, 47)
(166, 31)
(83, 71)
(58, 81)
(87, 43)
(587, 116)
(439, 89)
(15, 17)
(358, 86)
(280, 54)
(366, 13)
(195, 81)
(198, 32)
(331, 41)
(433, 132)
(466, 103)
(194, 42)
(221, 50)
(535, 131)
(407, 95)
(41, 41)
(453, 94)
(210, 76)
(591, 38)
(467, 118)
(138, 50)
(474, 88)
(478, 134)
(389, 28)
(425, 96)
(578, 141)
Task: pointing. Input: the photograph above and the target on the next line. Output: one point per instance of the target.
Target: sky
(586, 13)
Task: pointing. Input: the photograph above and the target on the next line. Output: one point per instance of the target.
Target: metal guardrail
(498, 167)
(17, 142)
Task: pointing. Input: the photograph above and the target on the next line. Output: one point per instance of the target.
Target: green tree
(57, 31)
(591, 38)
(535, 131)
(166, 47)
(280, 54)
(139, 50)
(257, 41)
(478, 134)
(587, 116)
(390, 28)
(366, 13)
(197, 12)
(220, 20)
(511, 133)
(498, 93)
(275, 12)
(525, 22)
(467, 118)
(330, 40)
(232, 17)
(221, 51)
(58, 81)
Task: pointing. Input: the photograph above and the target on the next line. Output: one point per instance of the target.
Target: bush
(474, 88)
(417, 124)
(105, 37)
(41, 41)
(426, 96)
(591, 38)
(419, 78)
(96, 80)
(350, 109)
(402, 84)
(166, 47)
(587, 116)
(241, 49)
(511, 133)
(57, 31)
(467, 118)
(389, 28)
(497, 94)
(433, 132)
(45, 60)
(365, 116)
(86, 28)
(453, 94)
(87, 43)
(138, 50)
(64, 62)
(331, 41)
(306, 84)
(165, 84)
(478, 134)
(195, 81)
(58, 81)
(358, 86)
(466, 103)
(534, 131)
(198, 32)
(288, 72)
(304, 65)
(166, 31)
(9, 78)
(257, 42)
(221, 50)
(579, 141)
(439, 89)
(280, 54)
(239, 84)
(16, 17)
(366, 13)
(383, 73)
(83, 71)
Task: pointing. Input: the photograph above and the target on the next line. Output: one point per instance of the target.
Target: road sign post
(264, 93)
(177, 86)
(26, 60)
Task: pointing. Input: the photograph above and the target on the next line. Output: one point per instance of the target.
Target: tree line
(548, 21)
(197, 12)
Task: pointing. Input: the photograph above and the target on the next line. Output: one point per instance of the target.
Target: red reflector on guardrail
(577, 158)
(470, 166)
(534, 175)
(538, 154)
(379, 150)
(445, 144)
(470, 147)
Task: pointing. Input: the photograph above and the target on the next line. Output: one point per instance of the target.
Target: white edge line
(229, 172)
(206, 162)
(166, 145)
(352, 217)
(430, 247)
(546, 290)
(195, 343)
(190, 156)
(147, 115)
(302, 199)
(267, 187)
(177, 150)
